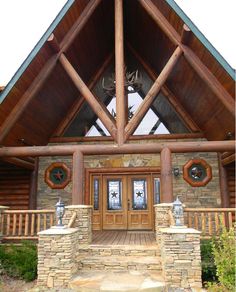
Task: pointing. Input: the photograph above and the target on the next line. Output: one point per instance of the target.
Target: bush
(19, 261)
(208, 265)
(224, 256)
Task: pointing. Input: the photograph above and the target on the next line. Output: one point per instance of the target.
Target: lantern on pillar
(60, 211)
(178, 212)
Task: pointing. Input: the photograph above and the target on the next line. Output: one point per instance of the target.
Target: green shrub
(208, 265)
(224, 256)
(19, 261)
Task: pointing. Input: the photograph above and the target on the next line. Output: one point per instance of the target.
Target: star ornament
(114, 195)
(58, 175)
(139, 194)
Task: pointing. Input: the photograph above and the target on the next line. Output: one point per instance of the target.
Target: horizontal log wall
(14, 186)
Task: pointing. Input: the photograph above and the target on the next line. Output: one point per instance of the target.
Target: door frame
(152, 171)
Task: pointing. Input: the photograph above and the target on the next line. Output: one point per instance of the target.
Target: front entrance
(127, 202)
(124, 201)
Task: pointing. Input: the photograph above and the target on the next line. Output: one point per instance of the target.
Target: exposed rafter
(99, 108)
(48, 67)
(152, 93)
(72, 112)
(204, 73)
(182, 113)
(22, 104)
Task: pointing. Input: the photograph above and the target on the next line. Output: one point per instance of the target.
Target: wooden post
(33, 186)
(166, 176)
(152, 93)
(223, 184)
(77, 178)
(99, 109)
(119, 59)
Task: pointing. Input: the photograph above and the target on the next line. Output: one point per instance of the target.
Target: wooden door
(127, 202)
(115, 202)
(140, 203)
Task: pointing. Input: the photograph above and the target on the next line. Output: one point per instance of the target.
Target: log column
(77, 178)
(223, 184)
(121, 103)
(166, 176)
(33, 186)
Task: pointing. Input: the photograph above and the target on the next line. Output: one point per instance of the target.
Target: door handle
(128, 205)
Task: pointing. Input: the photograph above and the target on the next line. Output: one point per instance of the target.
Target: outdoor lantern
(178, 212)
(60, 211)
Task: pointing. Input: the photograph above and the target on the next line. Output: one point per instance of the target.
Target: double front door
(123, 202)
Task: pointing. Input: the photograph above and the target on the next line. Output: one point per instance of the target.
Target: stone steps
(121, 263)
(119, 281)
(119, 250)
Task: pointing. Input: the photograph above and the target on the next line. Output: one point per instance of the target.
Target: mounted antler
(132, 83)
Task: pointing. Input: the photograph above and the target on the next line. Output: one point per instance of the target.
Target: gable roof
(88, 43)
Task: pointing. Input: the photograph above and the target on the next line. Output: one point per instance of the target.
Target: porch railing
(25, 224)
(209, 220)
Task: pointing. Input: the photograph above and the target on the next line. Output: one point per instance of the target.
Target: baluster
(20, 225)
(8, 224)
(223, 219)
(14, 225)
(209, 223)
(230, 218)
(203, 223)
(26, 224)
(196, 220)
(216, 222)
(38, 222)
(2, 223)
(32, 223)
(44, 221)
(189, 220)
(51, 219)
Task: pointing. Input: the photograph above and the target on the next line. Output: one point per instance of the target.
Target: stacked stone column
(83, 221)
(181, 259)
(57, 256)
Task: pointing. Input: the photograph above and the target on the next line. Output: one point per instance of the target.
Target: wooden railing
(25, 224)
(209, 220)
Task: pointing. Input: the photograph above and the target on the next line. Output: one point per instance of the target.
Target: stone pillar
(181, 258)
(2, 208)
(57, 256)
(83, 221)
(163, 217)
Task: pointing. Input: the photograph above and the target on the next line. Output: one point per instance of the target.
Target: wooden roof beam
(185, 35)
(204, 73)
(19, 162)
(47, 69)
(152, 93)
(71, 114)
(19, 108)
(121, 101)
(182, 113)
(99, 109)
(79, 24)
(97, 149)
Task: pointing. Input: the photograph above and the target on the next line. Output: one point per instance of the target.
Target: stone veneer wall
(208, 196)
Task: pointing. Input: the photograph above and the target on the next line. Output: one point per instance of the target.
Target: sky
(23, 22)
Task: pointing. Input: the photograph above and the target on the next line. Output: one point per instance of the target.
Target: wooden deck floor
(111, 237)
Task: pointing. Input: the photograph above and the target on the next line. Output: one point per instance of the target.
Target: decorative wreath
(197, 172)
(58, 175)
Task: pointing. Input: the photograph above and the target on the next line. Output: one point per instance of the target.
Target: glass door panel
(114, 194)
(139, 194)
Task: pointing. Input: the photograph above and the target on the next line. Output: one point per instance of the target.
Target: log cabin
(121, 105)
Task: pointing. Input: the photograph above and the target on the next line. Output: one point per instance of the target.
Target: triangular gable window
(150, 124)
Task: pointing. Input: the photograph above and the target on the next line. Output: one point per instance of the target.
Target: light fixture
(176, 171)
(60, 211)
(178, 212)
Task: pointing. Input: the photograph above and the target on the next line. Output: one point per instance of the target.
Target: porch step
(119, 281)
(119, 250)
(121, 263)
